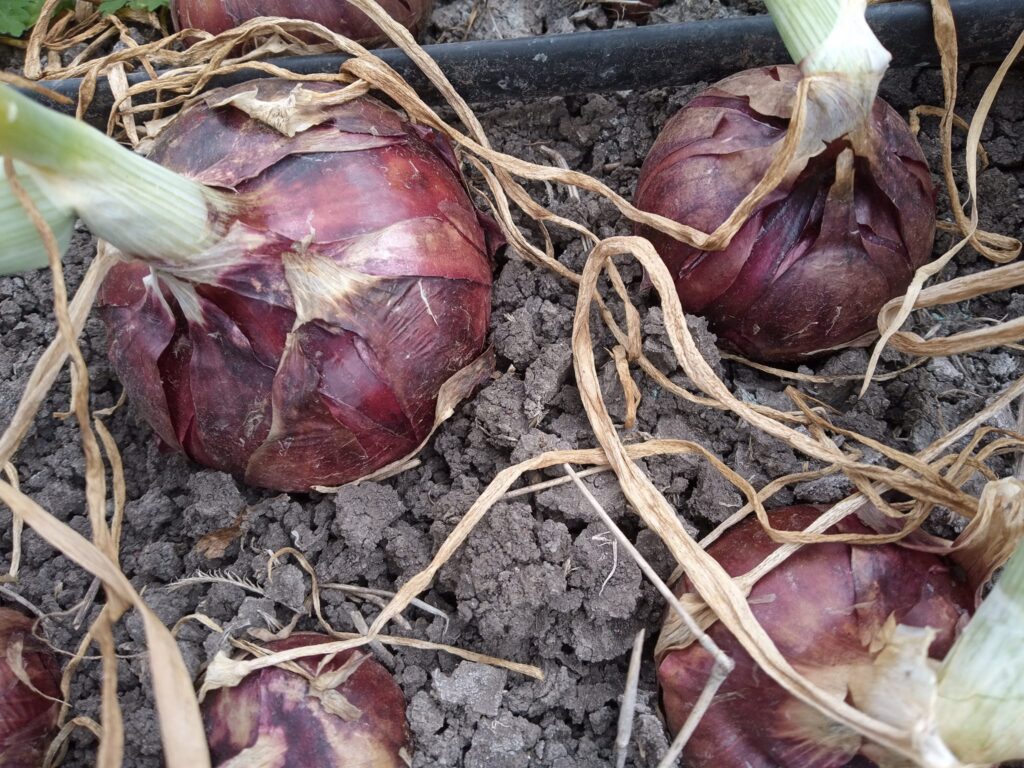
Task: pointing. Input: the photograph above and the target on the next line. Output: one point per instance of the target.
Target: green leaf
(113, 6)
(16, 16)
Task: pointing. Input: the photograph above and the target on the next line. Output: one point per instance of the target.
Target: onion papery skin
(271, 712)
(216, 16)
(315, 356)
(822, 607)
(28, 719)
(815, 262)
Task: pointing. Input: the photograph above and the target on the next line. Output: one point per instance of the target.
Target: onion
(216, 16)
(350, 713)
(29, 692)
(815, 262)
(824, 607)
(313, 356)
(312, 283)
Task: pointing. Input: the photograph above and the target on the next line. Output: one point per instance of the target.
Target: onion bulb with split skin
(850, 221)
(306, 285)
(828, 609)
(345, 711)
(340, 16)
(29, 693)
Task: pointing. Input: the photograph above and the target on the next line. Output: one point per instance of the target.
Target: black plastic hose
(655, 56)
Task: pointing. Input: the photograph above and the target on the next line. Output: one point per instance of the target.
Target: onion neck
(829, 36)
(835, 48)
(980, 704)
(141, 208)
(803, 25)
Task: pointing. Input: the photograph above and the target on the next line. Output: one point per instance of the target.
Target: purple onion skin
(339, 396)
(216, 16)
(806, 273)
(821, 608)
(27, 720)
(272, 706)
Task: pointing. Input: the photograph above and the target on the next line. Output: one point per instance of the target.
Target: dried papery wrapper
(990, 537)
(899, 687)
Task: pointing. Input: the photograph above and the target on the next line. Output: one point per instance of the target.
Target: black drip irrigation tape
(655, 56)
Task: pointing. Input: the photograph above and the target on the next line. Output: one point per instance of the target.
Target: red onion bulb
(216, 16)
(316, 356)
(813, 265)
(29, 692)
(352, 715)
(822, 607)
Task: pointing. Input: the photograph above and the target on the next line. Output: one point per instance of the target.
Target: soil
(538, 581)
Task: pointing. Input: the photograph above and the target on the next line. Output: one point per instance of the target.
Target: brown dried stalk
(997, 248)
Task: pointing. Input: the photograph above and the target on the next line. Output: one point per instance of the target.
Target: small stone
(476, 686)
(425, 717)
(288, 586)
(944, 369)
(1003, 366)
(503, 743)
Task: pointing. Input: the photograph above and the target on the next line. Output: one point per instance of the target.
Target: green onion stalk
(73, 171)
(23, 248)
(980, 707)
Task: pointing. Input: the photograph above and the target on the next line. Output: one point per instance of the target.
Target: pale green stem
(138, 206)
(842, 63)
(829, 36)
(803, 24)
(980, 707)
(22, 247)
